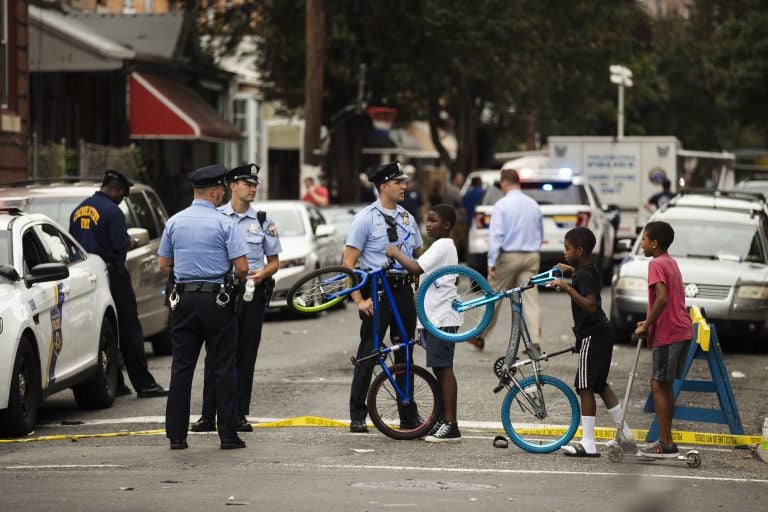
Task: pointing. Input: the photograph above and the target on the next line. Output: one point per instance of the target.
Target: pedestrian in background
(514, 243)
(315, 193)
(199, 248)
(660, 199)
(373, 228)
(261, 237)
(667, 328)
(99, 225)
(413, 200)
(461, 227)
(472, 197)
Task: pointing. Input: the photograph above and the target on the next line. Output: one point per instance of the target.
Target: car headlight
(753, 291)
(295, 262)
(632, 284)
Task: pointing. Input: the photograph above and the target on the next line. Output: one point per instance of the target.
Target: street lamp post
(621, 76)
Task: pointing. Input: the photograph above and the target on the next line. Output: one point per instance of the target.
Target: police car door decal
(57, 340)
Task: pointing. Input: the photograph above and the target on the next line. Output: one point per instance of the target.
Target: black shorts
(595, 354)
(439, 352)
(669, 361)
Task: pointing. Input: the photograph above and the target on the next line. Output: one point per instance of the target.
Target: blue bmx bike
(403, 399)
(540, 413)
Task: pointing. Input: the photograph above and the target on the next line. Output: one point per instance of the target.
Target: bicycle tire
(470, 285)
(386, 413)
(310, 293)
(541, 435)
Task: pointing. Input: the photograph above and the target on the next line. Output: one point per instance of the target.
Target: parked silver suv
(145, 216)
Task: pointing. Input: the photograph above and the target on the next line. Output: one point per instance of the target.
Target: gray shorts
(439, 352)
(669, 361)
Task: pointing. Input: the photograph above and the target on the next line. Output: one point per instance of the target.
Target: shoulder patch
(272, 230)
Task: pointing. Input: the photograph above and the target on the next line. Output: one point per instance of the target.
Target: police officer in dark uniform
(262, 238)
(202, 248)
(375, 227)
(99, 225)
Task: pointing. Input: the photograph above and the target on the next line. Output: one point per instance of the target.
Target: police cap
(386, 172)
(113, 176)
(208, 176)
(248, 172)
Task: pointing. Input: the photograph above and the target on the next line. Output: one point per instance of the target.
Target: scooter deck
(692, 458)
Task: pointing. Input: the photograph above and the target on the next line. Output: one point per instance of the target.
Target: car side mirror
(624, 245)
(139, 235)
(324, 230)
(8, 272)
(46, 272)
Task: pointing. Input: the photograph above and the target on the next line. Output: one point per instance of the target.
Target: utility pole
(313, 84)
(621, 76)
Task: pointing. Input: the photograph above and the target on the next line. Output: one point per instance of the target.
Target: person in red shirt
(316, 194)
(667, 328)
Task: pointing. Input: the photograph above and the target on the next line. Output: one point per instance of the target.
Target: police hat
(208, 176)
(390, 171)
(248, 172)
(111, 176)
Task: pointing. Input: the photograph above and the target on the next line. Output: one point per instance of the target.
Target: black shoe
(232, 444)
(358, 427)
(242, 425)
(152, 391)
(179, 444)
(204, 424)
(123, 391)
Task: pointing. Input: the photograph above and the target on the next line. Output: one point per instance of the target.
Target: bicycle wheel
(470, 285)
(399, 421)
(546, 432)
(321, 289)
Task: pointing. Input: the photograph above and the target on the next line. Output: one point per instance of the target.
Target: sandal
(577, 450)
(500, 442)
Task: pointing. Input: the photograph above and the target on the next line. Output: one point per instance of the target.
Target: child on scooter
(668, 330)
(594, 341)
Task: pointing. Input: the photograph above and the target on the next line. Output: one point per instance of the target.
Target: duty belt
(198, 286)
(399, 279)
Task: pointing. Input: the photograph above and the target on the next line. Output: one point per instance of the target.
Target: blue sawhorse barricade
(705, 346)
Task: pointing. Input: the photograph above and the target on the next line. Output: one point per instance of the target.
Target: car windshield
(288, 222)
(57, 208)
(548, 192)
(716, 242)
(5, 248)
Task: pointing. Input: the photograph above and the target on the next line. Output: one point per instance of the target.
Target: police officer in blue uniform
(99, 225)
(202, 248)
(263, 241)
(373, 229)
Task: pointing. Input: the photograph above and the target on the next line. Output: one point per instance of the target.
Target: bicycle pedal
(499, 387)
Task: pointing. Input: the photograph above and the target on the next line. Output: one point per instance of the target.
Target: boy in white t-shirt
(441, 253)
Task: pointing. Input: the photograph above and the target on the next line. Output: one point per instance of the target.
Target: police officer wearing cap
(262, 238)
(373, 229)
(202, 248)
(99, 225)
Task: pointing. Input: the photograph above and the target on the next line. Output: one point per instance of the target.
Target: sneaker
(659, 449)
(434, 429)
(478, 343)
(448, 432)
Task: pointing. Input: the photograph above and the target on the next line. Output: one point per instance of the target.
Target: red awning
(162, 108)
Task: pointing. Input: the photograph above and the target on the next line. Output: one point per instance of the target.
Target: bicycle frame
(378, 278)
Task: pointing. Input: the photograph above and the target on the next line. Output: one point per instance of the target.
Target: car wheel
(161, 342)
(19, 418)
(98, 392)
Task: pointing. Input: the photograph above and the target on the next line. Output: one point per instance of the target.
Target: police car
(566, 201)
(58, 327)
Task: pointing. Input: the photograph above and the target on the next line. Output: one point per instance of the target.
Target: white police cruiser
(58, 327)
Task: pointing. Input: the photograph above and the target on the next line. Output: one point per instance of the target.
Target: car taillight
(482, 220)
(582, 219)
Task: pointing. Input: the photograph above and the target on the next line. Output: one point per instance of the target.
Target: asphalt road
(304, 370)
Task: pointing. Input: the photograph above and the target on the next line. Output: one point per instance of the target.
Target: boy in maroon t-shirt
(668, 329)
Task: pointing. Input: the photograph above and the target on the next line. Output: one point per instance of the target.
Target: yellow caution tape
(679, 436)
(702, 330)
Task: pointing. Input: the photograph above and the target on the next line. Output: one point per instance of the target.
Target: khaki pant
(512, 270)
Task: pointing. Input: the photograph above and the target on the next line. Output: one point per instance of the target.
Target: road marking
(67, 466)
(681, 437)
(530, 472)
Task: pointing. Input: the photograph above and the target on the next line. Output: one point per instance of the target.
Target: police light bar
(19, 204)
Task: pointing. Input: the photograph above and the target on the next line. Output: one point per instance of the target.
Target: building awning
(162, 108)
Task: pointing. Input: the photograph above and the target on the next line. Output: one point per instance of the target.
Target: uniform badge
(272, 230)
(406, 218)
(254, 229)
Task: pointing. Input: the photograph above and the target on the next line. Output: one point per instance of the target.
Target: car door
(147, 279)
(79, 321)
(327, 246)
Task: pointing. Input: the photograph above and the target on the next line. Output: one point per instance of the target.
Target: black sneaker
(447, 433)
(358, 427)
(659, 449)
(204, 424)
(242, 425)
(434, 429)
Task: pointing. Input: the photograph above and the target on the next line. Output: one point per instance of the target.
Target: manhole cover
(424, 484)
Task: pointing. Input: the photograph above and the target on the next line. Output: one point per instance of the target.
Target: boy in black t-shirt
(594, 341)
